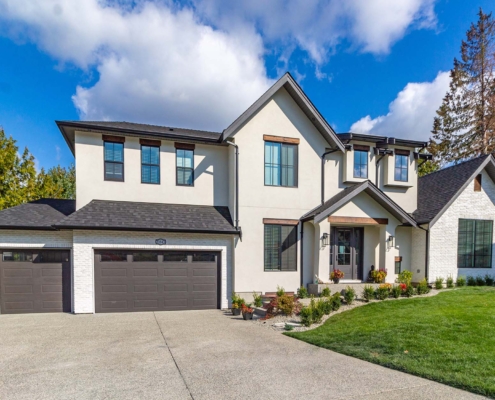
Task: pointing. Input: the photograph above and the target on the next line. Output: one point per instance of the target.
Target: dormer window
(361, 161)
(401, 165)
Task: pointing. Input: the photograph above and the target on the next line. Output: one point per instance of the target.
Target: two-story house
(175, 219)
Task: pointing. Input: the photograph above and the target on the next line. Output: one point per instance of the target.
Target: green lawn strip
(448, 338)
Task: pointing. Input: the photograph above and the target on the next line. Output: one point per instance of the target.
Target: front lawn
(449, 338)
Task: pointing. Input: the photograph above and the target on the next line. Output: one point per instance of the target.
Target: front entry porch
(346, 251)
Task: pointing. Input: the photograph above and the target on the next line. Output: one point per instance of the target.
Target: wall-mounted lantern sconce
(390, 241)
(325, 240)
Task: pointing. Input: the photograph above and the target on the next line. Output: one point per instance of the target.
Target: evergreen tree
(465, 122)
(20, 183)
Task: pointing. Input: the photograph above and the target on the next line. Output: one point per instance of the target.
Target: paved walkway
(183, 355)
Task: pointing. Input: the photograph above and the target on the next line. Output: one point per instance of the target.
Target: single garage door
(156, 281)
(35, 281)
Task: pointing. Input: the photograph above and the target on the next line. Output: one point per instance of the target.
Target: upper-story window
(281, 164)
(114, 160)
(150, 164)
(184, 164)
(401, 165)
(361, 161)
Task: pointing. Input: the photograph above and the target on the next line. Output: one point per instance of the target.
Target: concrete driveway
(183, 355)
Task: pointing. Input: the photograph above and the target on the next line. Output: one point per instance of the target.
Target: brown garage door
(156, 281)
(35, 281)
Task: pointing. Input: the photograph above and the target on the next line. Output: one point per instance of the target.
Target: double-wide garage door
(35, 281)
(137, 280)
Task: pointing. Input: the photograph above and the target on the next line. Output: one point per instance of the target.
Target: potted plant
(336, 275)
(379, 275)
(247, 311)
(237, 303)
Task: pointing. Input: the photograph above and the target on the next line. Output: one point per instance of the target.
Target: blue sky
(199, 64)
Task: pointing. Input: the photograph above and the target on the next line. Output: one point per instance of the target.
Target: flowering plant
(246, 308)
(379, 275)
(386, 286)
(336, 274)
(403, 286)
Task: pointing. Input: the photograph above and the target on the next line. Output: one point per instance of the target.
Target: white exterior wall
(35, 239)
(211, 178)
(86, 241)
(418, 243)
(279, 117)
(443, 234)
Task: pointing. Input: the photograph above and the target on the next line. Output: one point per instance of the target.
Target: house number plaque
(160, 242)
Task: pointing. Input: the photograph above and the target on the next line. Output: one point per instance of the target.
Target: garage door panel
(175, 272)
(41, 284)
(172, 282)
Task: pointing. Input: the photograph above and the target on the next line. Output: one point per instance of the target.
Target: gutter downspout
(427, 250)
(302, 250)
(323, 172)
(376, 169)
(236, 186)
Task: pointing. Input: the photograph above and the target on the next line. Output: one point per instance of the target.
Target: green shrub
(471, 281)
(306, 316)
(286, 304)
(336, 301)
(422, 287)
(280, 291)
(450, 282)
(288, 327)
(325, 305)
(368, 293)
(461, 281)
(480, 281)
(302, 292)
(317, 311)
(349, 295)
(396, 291)
(382, 293)
(405, 277)
(409, 292)
(439, 283)
(257, 299)
(325, 292)
(489, 280)
(237, 301)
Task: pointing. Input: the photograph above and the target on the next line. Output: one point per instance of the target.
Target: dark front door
(136, 280)
(346, 251)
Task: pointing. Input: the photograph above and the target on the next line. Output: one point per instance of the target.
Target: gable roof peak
(287, 82)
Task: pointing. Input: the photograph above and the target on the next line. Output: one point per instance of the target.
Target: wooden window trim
(401, 152)
(477, 183)
(360, 147)
(358, 220)
(185, 146)
(272, 221)
(114, 139)
(280, 139)
(148, 142)
(398, 259)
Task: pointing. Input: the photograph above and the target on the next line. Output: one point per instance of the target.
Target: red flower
(403, 286)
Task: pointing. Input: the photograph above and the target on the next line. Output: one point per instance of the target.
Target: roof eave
(138, 229)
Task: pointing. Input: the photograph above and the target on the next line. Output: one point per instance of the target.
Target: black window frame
(401, 168)
(282, 247)
(281, 166)
(105, 161)
(150, 165)
(360, 151)
(184, 168)
(468, 239)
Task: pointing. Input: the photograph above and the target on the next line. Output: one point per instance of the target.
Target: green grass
(448, 338)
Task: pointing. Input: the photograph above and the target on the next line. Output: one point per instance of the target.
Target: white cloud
(319, 26)
(411, 113)
(201, 65)
(156, 64)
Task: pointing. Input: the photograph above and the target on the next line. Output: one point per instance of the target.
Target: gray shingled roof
(330, 202)
(134, 216)
(349, 193)
(438, 189)
(39, 214)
